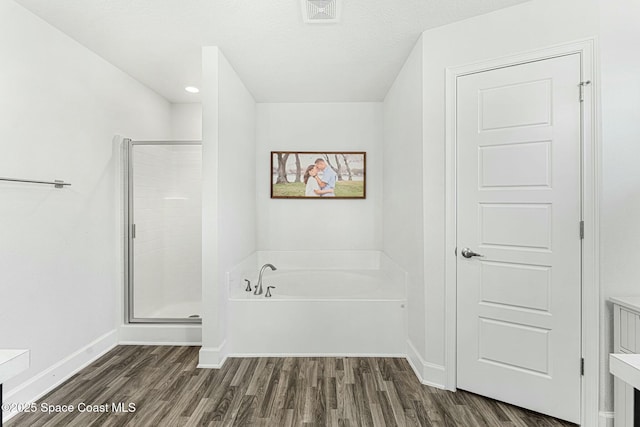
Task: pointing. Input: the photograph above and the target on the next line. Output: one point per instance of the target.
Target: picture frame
(320, 175)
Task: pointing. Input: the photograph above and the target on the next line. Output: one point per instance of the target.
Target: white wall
(236, 174)
(402, 188)
(60, 107)
(312, 225)
(620, 205)
(186, 122)
(211, 336)
(229, 203)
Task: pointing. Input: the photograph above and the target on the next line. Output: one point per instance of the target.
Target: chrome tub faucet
(259, 290)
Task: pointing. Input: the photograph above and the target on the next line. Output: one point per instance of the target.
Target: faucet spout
(259, 290)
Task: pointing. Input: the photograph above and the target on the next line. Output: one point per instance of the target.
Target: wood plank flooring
(168, 390)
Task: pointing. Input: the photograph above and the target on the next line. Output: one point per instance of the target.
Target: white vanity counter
(626, 367)
(624, 363)
(12, 362)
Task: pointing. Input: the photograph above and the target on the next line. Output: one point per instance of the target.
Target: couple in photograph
(320, 180)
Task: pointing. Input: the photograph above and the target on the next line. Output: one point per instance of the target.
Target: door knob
(468, 253)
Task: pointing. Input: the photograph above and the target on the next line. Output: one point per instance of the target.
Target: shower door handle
(133, 231)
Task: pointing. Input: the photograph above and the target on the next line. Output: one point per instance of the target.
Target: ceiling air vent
(320, 11)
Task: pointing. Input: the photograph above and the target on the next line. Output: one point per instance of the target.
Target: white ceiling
(279, 58)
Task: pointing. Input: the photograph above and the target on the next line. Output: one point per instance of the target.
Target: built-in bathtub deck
(351, 303)
(168, 390)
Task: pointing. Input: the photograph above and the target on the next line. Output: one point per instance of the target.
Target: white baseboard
(160, 334)
(47, 380)
(606, 419)
(213, 357)
(403, 356)
(428, 373)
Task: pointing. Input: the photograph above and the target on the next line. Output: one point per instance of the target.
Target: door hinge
(582, 85)
(581, 230)
(582, 366)
(133, 231)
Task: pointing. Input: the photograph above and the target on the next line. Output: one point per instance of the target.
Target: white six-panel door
(518, 205)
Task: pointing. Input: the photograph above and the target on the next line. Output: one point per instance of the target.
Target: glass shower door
(165, 232)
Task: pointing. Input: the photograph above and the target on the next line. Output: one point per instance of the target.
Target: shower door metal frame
(129, 235)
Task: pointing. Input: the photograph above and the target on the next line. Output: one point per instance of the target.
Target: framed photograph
(318, 175)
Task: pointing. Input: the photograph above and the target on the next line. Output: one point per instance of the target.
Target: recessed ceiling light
(192, 89)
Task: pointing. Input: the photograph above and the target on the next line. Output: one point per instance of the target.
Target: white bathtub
(359, 311)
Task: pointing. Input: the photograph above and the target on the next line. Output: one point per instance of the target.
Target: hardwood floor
(168, 390)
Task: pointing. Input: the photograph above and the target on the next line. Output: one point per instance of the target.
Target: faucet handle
(268, 294)
(248, 289)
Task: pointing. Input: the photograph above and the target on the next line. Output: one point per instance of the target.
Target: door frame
(590, 189)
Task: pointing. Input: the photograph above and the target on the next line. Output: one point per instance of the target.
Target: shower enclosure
(163, 231)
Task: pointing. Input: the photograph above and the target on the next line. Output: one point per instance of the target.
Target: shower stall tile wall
(167, 205)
